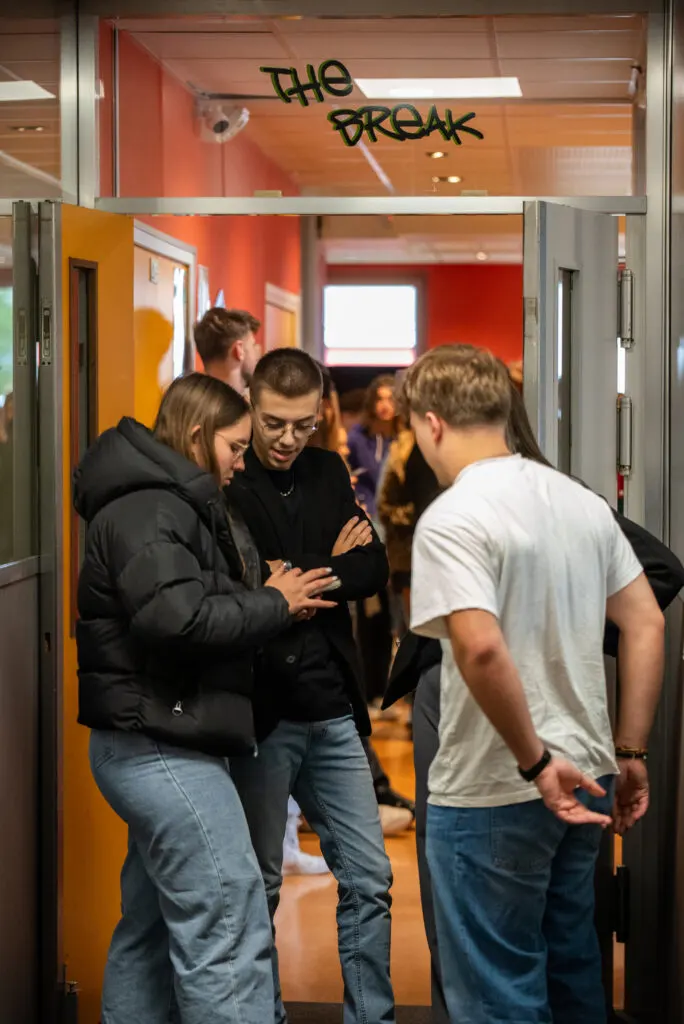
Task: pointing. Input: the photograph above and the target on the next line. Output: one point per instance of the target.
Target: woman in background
(407, 487)
(369, 440)
(171, 612)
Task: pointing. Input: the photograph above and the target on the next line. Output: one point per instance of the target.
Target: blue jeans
(194, 937)
(323, 765)
(514, 901)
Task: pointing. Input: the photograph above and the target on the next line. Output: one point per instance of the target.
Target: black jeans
(374, 639)
(425, 744)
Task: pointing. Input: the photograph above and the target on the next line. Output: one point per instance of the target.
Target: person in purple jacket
(369, 441)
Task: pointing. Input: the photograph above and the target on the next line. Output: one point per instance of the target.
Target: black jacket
(167, 628)
(663, 571)
(328, 502)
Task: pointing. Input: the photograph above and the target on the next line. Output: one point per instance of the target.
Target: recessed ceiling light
(481, 256)
(438, 88)
(17, 92)
(437, 155)
(28, 128)
(452, 179)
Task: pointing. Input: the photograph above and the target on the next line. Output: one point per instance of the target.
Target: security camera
(219, 123)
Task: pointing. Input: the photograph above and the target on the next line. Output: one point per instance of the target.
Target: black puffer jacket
(169, 617)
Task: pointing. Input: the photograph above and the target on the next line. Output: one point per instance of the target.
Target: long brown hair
(371, 401)
(329, 432)
(519, 431)
(198, 401)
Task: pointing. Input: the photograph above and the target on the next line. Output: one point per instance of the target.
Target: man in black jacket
(309, 706)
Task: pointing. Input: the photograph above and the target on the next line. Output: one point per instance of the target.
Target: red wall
(161, 154)
(477, 304)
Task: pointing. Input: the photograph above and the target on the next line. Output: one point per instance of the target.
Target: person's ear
(239, 352)
(436, 426)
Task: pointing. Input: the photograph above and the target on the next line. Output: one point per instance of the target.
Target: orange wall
(475, 304)
(161, 154)
(242, 253)
(94, 838)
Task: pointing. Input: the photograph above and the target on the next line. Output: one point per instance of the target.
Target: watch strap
(530, 774)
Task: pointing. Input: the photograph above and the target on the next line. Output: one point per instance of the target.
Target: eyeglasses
(236, 448)
(276, 428)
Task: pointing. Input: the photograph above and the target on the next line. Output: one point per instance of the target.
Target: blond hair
(463, 385)
(198, 401)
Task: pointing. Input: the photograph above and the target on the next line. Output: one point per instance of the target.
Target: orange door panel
(94, 839)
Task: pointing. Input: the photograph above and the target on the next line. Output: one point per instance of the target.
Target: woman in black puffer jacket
(171, 612)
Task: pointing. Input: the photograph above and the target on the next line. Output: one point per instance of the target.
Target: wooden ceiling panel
(560, 23)
(568, 45)
(348, 47)
(38, 46)
(297, 27)
(259, 46)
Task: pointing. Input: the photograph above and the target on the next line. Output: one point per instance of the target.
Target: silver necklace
(290, 491)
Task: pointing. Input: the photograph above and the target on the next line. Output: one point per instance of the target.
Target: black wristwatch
(530, 774)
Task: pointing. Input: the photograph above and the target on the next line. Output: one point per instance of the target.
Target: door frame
(288, 301)
(160, 244)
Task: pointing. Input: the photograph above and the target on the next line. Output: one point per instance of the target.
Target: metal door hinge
(626, 308)
(624, 435)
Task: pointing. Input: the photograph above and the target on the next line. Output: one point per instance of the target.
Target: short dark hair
(219, 329)
(289, 372)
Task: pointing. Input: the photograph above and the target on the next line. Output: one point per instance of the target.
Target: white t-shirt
(542, 554)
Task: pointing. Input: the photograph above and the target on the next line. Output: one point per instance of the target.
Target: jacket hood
(127, 458)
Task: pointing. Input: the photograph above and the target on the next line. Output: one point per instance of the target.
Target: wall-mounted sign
(401, 122)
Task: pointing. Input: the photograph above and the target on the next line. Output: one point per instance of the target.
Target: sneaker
(386, 796)
(394, 819)
(296, 862)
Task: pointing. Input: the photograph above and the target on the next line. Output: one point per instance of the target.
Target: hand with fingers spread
(557, 785)
(302, 589)
(357, 533)
(631, 794)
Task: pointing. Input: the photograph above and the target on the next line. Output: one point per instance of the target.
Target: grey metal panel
(659, 91)
(24, 384)
(19, 835)
(51, 609)
(16, 571)
(68, 107)
(312, 287)
(652, 993)
(636, 372)
(559, 238)
(207, 206)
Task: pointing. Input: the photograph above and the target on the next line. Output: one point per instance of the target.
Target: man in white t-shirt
(515, 568)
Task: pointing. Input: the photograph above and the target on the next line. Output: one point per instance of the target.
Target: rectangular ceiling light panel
(438, 88)
(19, 92)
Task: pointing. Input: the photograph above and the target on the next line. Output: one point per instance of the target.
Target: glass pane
(238, 106)
(30, 152)
(6, 395)
(385, 324)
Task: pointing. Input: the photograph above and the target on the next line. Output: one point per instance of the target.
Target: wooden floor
(307, 930)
